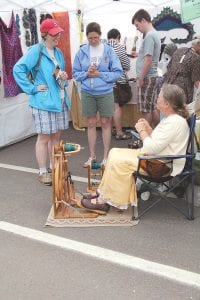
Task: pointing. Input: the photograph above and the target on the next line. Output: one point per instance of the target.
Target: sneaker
(45, 178)
(89, 162)
(103, 163)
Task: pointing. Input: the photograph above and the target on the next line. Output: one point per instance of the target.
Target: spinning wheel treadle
(66, 203)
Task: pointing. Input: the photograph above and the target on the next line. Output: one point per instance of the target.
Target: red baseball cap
(50, 26)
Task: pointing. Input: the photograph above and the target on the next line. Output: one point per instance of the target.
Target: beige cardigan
(170, 137)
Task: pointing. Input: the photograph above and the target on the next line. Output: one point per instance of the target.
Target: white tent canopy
(15, 116)
(87, 5)
(115, 13)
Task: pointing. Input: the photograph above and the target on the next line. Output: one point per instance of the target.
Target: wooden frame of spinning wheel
(92, 182)
(65, 204)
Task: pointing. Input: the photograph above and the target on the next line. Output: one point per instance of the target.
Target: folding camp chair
(181, 185)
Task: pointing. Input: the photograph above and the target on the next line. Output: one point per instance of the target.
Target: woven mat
(112, 218)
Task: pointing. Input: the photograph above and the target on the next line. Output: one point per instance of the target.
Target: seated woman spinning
(170, 137)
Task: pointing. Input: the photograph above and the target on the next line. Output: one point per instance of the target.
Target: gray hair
(175, 95)
(170, 49)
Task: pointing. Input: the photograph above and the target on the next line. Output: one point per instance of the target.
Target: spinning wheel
(66, 203)
(95, 173)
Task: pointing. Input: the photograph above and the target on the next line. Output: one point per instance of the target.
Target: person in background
(114, 37)
(184, 68)
(146, 66)
(97, 67)
(170, 137)
(165, 57)
(47, 95)
(168, 51)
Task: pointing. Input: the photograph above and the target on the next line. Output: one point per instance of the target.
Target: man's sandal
(123, 136)
(135, 144)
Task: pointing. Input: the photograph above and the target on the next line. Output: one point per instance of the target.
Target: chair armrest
(165, 157)
(159, 165)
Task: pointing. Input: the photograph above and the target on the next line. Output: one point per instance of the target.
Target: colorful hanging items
(64, 42)
(80, 25)
(33, 26)
(11, 53)
(44, 17)
(17, 20)
(26, 25)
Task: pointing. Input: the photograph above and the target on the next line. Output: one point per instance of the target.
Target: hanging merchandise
(44, 17)
(80, 25)
(64, 42)
(11, 52)
(33, 26)
(17, 20)
(26, 26)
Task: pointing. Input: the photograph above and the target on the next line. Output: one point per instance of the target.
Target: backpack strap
(38, 63)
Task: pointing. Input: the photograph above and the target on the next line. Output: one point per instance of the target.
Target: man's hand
(140, 82)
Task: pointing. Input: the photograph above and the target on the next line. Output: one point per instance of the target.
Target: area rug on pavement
(112, 218)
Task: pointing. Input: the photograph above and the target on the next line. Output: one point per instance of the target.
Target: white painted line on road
(35, 171)
(18, 168)
(165, 271)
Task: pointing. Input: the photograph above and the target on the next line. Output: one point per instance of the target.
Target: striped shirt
(124, 59)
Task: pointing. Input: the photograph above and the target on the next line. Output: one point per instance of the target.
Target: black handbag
(123, 93)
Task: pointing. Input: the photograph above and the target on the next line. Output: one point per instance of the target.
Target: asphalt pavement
(157, 259)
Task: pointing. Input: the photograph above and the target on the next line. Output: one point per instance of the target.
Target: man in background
(146, 66)
(184, 68)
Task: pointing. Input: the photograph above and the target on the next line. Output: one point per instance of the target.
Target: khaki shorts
(148, 94)
(91, 104)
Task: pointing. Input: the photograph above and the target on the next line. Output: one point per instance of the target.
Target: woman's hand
(143, 125)
(63, 75)
(42, 87)
(140, 126)
(92, 71)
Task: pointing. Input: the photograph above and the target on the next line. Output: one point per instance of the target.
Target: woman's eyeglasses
(55, 35)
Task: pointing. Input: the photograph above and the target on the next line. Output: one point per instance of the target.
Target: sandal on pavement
(114, 132)
(89, 162)
(123, 136)
(98, 206)
(45, 178)
(135, 144)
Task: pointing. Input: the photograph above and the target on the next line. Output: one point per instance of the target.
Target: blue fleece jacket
(49, 99)
(110, 70)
